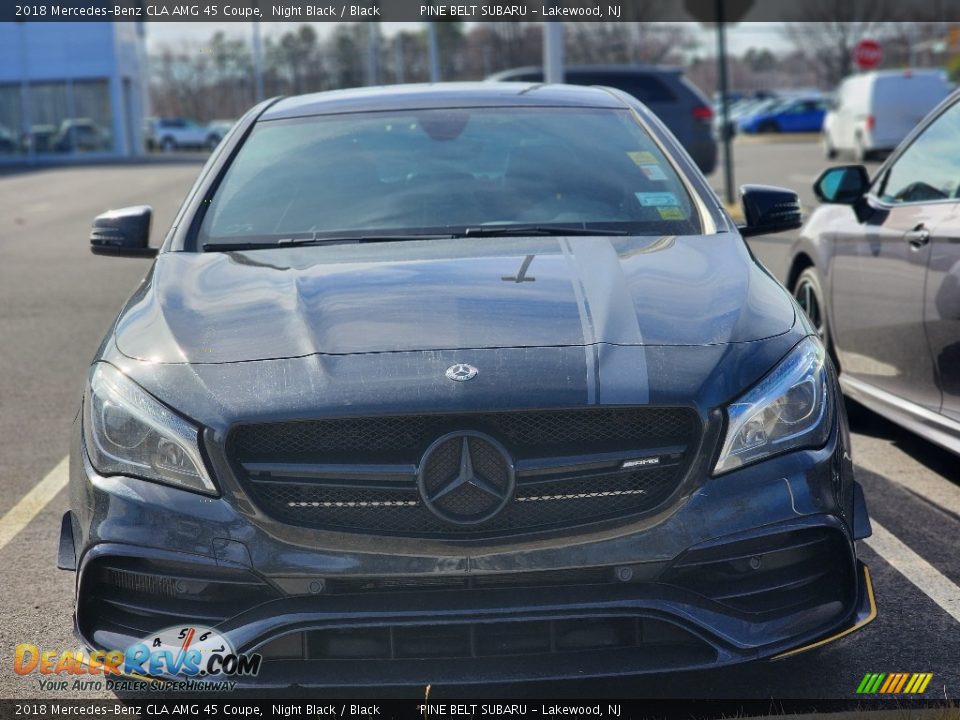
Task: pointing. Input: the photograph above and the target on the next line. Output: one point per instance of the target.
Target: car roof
(442, 95)
(901, 73)
(600, 69)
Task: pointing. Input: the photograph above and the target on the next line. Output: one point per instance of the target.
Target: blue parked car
(798, 115)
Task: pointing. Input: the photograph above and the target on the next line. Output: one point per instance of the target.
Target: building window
(91, 116)
(47, 111)
(11, 121)
(62, 117)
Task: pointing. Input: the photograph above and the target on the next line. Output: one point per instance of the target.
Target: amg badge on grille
(461, 372)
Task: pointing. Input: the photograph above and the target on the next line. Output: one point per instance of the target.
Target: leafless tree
(826, 32)
(643, 42)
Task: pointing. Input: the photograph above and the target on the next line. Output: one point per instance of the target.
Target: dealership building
(71, 91)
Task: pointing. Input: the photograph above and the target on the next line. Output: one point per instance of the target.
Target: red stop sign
(867, 54)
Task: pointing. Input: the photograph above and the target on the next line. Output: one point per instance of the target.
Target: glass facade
(11, 120)
(55, 117)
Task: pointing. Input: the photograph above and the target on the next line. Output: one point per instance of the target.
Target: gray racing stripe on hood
(586, 322)
(609, 320)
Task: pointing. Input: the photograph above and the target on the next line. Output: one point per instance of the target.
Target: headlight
(128, 432)
(788, 410)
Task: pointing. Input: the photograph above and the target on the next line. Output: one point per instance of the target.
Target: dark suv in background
(664, 90)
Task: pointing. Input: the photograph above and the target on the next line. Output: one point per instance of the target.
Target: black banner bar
(220, 11)
(442, 709)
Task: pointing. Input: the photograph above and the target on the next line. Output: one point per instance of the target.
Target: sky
(740, 37)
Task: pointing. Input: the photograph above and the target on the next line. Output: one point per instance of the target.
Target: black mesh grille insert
(541, 502)
(404, 438)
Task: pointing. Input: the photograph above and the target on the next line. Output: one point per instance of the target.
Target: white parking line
(33, 502)
(915, 477)
(914, 568)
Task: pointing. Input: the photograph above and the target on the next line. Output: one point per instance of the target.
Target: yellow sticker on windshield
(642, 157)
(672, 213)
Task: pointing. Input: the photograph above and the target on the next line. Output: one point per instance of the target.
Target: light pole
(373, 53)
(718, 13)
(257, 62)
(553, 52)
(434, 52)
(725, 128)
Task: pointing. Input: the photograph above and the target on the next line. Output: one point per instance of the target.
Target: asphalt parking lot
(57, 301)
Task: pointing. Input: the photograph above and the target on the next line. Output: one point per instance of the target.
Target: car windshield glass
(429, 172)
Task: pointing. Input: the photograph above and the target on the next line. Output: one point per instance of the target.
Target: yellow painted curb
(735, 211)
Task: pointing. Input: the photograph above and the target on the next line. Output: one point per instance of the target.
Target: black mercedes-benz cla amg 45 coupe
(461, 383)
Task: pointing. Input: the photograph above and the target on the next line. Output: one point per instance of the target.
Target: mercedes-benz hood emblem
(461, 372)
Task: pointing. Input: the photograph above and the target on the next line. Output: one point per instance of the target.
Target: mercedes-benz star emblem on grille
(466, 478)
(461, 372)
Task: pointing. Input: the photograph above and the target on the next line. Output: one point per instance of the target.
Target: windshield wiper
(312, 241)
(498, 230)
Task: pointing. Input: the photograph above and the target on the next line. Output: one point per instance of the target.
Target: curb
(784, 138)
(734, 210)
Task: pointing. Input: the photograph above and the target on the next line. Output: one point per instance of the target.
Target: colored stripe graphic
(891, 680)
(894, 683)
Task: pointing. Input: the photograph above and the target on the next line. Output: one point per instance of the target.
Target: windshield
(422, 172)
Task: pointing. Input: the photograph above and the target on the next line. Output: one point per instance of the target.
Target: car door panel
(892, 323)
(942, 312)
(877, 297)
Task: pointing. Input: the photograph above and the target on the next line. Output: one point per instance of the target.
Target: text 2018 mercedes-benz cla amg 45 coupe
(462, 383)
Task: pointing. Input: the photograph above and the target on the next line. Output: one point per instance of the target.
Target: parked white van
(872, 112)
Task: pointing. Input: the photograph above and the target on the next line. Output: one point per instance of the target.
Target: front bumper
(758, 563)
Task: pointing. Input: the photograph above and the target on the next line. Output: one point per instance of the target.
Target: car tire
(829, 151)
(168, 144)
(809, 296)
(768, 126)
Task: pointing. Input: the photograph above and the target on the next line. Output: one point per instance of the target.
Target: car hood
(222, 307)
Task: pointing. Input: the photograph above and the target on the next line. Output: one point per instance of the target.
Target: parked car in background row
(81, 135)
(40, 138)
(873, 112)
(218, 129)
(682, 107)
(794, 115)
(8, 141)
(462, 383)
(741, 109)
(170, 134)
(877, 269)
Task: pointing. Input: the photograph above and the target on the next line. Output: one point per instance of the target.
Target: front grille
(401, 512)
(360, 474)
(404, 438)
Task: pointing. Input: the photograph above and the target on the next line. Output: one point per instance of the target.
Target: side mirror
(769, 210)
(124, 232)
(842, 185)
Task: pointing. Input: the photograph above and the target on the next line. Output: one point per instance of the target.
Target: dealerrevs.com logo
(200, 656)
